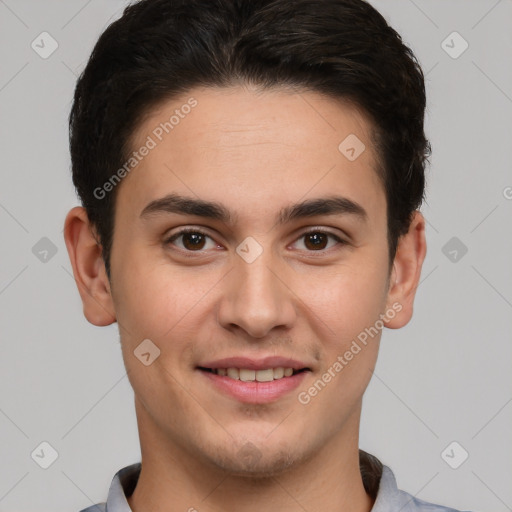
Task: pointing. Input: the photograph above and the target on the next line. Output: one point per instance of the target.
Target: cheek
(344, 307)
(347, 299)
(155, 300)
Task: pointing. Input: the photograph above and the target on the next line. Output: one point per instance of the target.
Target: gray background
(444, 377)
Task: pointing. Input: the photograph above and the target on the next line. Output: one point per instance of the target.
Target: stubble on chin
(251, 462)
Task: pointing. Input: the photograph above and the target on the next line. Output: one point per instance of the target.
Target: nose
(256, 298)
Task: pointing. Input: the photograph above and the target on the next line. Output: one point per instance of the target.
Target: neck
(172, 479)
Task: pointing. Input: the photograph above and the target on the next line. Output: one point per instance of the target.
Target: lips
(255, 364)
(250, 370)
(255, 380)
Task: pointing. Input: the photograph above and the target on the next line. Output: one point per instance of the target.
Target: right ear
(85, 255)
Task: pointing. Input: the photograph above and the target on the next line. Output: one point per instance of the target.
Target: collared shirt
(379, 482)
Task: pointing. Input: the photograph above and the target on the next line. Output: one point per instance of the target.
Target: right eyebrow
(174, 203)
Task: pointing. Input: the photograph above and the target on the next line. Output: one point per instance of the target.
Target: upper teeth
(247, 375)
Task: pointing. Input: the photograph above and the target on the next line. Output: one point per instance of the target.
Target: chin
(251, 462)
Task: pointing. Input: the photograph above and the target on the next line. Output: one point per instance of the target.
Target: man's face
(252, 286)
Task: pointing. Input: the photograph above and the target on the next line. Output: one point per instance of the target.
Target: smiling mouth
(248, 375)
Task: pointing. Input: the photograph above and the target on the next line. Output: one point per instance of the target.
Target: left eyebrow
(332, 205)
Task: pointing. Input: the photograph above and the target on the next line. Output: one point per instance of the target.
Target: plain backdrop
(444, 378)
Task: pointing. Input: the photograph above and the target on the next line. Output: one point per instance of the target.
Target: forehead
(253, 148)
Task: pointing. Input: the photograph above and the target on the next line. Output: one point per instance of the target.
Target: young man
(250, 173)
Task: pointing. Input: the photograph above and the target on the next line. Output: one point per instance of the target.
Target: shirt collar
(379, 482)
(122, 487)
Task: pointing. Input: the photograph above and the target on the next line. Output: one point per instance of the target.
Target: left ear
(405, 276)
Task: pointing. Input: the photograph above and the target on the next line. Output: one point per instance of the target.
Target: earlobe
(405, 276)
(89, 270)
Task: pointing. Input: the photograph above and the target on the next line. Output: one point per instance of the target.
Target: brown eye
(191, 241)
(318, 241)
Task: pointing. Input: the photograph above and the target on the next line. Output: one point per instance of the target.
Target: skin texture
(256, 153)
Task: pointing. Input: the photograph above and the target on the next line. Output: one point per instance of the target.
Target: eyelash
(184, 231)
